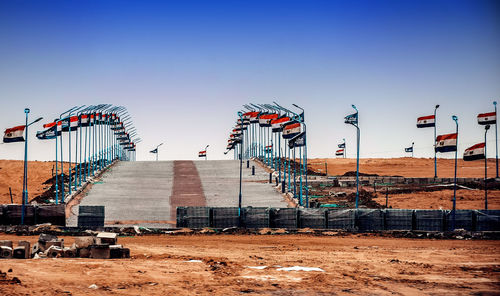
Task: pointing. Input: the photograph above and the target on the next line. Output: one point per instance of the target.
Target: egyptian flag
(487, 118)
(352, 118)
(241, 127)
(154, 150)
(70, 123)
(269, 149)
(475, 152)
(120, 131)
(409, 149)
(92, 118)
(202, 154)
(265, 119)
(98, 118)
(297, 141)
(117, 126)
(446, 143)
(277, 124)
(291, 129)
(230, 146)
(52, 130)
(339, 152)
(84, 120)
(254, 117)
(236, 131)
(426, 121)
(14, 134)
(246, 117)
(341, 145)
(123, 137)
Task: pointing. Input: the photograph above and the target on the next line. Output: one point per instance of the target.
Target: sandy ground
(406, 167)
(466, 200)
(354, 264)
(11, 175)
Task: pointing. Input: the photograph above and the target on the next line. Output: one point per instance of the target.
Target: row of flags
(448, 142)
(291, 129)
(72, 123)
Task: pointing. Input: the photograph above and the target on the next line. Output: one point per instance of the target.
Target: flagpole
(455, 118)
(345, 149)
(57, 171)
(435, 153)
(496, 136)
(486, 128)
(25, 190)
(412, 143)
(241, 164)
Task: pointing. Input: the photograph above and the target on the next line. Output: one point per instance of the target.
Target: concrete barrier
(341, 219)
(225, 217)
(91, 216)
(284, 218)
(429, 220)
(370, 219)
(256, 217)
(193, 217)
(488, 220)
(463, 220)
(398, 219)
(312, 218)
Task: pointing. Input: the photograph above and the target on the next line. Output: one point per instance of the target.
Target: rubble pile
(101, 246)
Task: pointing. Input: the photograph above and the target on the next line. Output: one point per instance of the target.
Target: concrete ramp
(147, 193)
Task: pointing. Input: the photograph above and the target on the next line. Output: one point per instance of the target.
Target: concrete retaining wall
(362, 220)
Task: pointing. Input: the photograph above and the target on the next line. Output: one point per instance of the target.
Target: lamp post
(206, 151)
(241, 162)
(496, 136)
(157, 151)
(354, 120)
(486, 128)
(455, 118)
(435, 153)
(25, 173)
(413, 143)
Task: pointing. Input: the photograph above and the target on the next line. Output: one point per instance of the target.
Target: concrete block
(19, 252)
(47, 238)
(83, 253)
(115, 251)
(46, 245)
(6, 252)
(100, 252)
(53, 252)
(35, 249)
(69, 253)
(6, 243)
(106, 238)
(27, 246)
(84, 241)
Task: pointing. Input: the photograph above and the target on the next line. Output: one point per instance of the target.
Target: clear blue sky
(184, 68)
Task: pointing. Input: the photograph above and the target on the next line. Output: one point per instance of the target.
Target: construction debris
(102, 245)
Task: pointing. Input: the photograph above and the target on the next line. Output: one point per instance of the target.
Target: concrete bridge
(147, 193)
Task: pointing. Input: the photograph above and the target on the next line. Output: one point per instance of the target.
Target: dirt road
(250, 264)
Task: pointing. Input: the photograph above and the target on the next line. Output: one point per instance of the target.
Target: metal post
(345, 149)
(496, 136)
(57, 181)
(25, 174)
(241, 162)
(435, 153)
(412, 143)
(486, 128)
(455, 118)
(357, 165)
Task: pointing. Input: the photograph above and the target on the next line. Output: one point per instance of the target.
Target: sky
(184, 68)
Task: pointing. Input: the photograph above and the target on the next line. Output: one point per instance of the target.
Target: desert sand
(406, 167)
(229, 265)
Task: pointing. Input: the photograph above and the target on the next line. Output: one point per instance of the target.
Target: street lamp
(206, 152)
(435, 153)
(496, 135)
(455, 118)
(305, 154)
(25, 173)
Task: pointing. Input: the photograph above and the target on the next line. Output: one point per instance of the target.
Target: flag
(202, 154)
(277, 124)
(51, 132)
(268, 149)
(446, 143)
(487, 118)
(14, 134)
(254, 117)
(341, 145)
(84, 120)
(70, 123)
(352, 118)
(291, 129)
(426, 121)
(475, 152)
(92, 118)
(265, 119)
(297, 141)
(154, 150)
(409, 149)
(339, 152)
